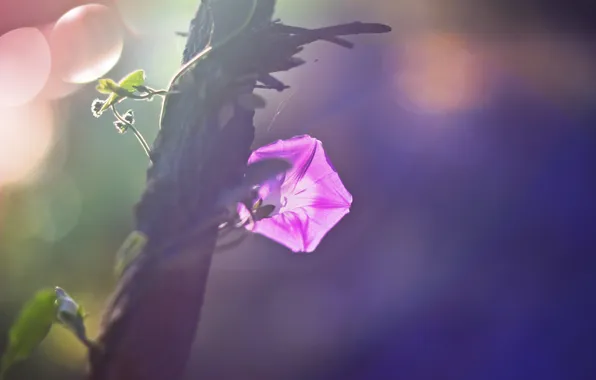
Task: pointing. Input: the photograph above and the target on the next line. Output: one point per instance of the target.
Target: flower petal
(313, 197)
(301, 230)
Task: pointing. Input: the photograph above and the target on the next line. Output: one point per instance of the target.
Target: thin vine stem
(136, 132)
(149, 94)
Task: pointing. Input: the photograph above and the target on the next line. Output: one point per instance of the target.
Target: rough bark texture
(150, 322)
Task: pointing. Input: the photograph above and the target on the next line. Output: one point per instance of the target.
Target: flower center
(270, 194)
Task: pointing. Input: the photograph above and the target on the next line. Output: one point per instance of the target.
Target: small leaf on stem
(121, 90)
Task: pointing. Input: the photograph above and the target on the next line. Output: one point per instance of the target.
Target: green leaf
(30, 328)
(107, 86)
(132, 80)
(111, 100)
(121, 90)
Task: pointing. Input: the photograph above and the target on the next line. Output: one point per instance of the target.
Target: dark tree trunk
(150, 322)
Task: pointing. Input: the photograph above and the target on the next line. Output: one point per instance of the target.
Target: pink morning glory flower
(309, 198)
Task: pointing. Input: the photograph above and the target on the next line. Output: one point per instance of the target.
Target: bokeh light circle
(86, 43)
(55, 87)
(24, 65)
(26, 136)
(54, 207)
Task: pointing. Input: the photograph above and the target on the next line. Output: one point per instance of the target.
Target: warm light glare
(557, 66)
(153, 19)
(24, 65)
(25, 138)
(437, 73)
(86, 43)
